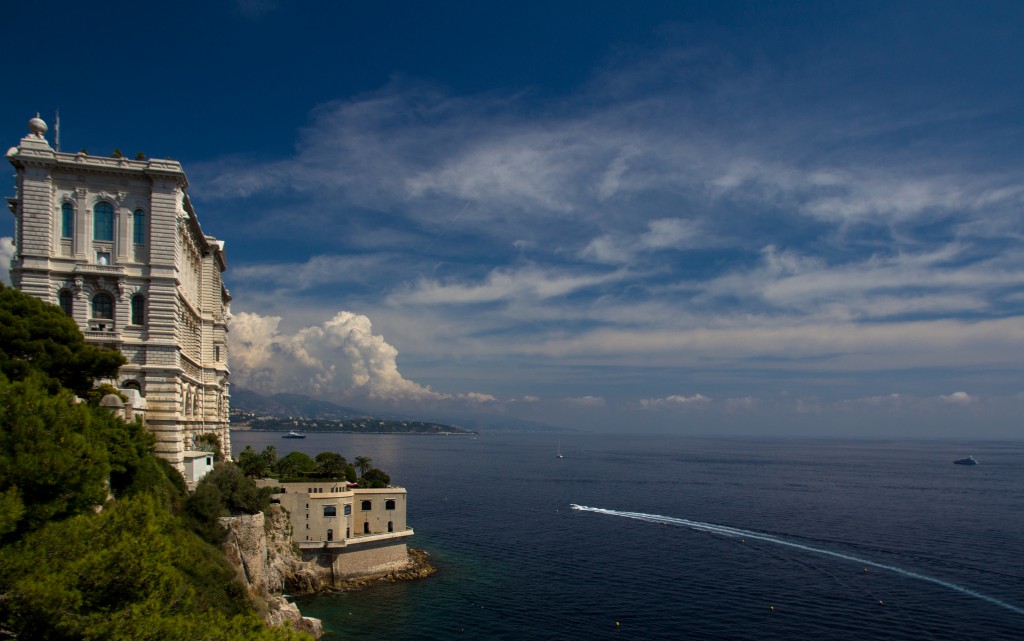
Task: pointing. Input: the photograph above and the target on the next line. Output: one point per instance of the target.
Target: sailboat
(558, 452)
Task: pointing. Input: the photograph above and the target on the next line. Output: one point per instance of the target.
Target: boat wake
(725, 530)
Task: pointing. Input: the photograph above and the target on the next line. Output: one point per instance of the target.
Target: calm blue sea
(703, 539)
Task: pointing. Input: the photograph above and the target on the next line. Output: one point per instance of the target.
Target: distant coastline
(349, 426)
(245, 428)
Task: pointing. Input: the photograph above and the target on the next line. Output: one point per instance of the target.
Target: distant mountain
(285, 405)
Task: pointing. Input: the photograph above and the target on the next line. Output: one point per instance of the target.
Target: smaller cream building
(353, 531)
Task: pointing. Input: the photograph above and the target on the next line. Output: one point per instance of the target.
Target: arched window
(389, 504)
(102, 306)
(103, 222)
(366, 528)
(67, 220)
(139, 223)
(330, 534)
(132, 384)
(138, 309)
(367, 506)
(64, 298)
(391, 526)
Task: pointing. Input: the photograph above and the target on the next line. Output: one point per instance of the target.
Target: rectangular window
(139, 223)
(67, 221)
(216, 352)
(102, 258)
(348, 510)
(103, 222)
(330, 510)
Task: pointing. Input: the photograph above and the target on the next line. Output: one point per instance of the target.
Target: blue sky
(704, 217)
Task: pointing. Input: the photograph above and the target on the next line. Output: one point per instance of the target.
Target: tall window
(102, 306)
(67, 220)
(103, 222)
(64, 298)
(138, 309)
(139, 222)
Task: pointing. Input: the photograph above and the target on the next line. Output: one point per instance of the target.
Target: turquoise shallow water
(941, 544)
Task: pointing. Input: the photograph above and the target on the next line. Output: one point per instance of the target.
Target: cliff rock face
(268, 564)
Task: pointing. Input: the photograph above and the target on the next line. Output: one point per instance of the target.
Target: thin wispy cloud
(666, 214)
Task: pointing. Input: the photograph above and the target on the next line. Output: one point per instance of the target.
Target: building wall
(305, 503)
(349, 551)
(173, 356)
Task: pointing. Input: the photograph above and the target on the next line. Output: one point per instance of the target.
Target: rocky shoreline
(419, 568)
(269, 564)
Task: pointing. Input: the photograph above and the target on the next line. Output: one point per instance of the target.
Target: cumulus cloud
(6, 254)
(340, 358)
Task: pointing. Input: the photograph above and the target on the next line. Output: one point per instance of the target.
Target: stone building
(347, 531)
(116, 243)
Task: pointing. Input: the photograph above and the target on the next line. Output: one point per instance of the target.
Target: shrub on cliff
(130, 572)
(75, 564)
(225, 491)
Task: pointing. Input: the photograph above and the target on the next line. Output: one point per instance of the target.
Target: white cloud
(530, 283)
(586, 401)
(6, 254)
(674, 400)
(959, 398)
(340, 358)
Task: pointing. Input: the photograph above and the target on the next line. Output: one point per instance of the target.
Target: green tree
(257, 464)
(296, 464)
(225, 491)
(38, 336)
(129, 572)
(53, 462)
(330, 464)
(210, 442)
(375, 478)
(363, 463)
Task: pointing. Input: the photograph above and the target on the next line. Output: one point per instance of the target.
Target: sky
(725, 218)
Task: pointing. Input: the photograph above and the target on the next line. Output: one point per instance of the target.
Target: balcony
(102, 330)
(99, 270)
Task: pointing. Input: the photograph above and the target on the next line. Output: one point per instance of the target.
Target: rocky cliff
(268, 564)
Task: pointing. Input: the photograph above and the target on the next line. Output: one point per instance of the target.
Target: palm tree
(363, 463)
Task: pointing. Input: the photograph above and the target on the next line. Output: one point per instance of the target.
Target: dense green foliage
(97, 535)
(210, 442)
(298, 466)
(223, 492)
(39, 339)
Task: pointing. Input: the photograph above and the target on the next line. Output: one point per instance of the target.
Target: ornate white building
(116, 243)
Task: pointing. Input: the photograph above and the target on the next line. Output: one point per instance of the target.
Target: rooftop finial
(37, 127)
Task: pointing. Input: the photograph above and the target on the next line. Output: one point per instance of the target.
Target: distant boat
(294, 435)
(558, 451)
(970, 460)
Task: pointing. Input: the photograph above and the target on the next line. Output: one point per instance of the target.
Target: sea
(642, 537)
